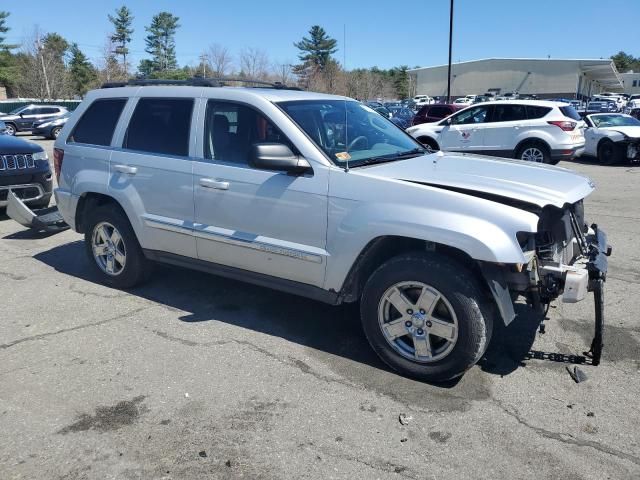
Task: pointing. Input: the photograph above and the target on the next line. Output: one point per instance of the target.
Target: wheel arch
(526, 141)
(427, 138)
(88, 201)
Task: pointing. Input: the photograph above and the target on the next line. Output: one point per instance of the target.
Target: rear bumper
(567, 153)
(67, 204)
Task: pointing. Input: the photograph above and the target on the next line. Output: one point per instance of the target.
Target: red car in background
(435, 112)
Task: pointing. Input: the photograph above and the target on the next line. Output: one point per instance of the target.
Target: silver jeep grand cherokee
(320, 196)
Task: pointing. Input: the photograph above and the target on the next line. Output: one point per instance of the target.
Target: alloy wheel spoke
(399, 301)
(110, 264)
(115, 237)
(395, 329)
(442, 329)
(100, 250)
(119, 257)
(427, 300)
(422, 346)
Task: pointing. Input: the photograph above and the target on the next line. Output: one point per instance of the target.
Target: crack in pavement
(71, 329)
(12, 276)
(569, 439)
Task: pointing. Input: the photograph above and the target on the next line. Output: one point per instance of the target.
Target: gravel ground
(193, 376)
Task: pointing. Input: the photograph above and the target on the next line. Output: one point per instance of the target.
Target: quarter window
(160, 125)
(535, 111)
(97, 124)
(231, 129)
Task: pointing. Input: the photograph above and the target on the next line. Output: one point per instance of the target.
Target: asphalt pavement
(192, 376)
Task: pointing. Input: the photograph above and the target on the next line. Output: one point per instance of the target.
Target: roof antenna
(344, 66)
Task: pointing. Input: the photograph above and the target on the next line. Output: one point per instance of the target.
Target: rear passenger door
(502, 130)
(151, 174)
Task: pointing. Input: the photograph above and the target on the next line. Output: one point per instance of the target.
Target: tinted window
(439, 112)
(509, 113)
(536, 111)
(49, 110)
(98, 122)
(160, 125)
(231, 129)
(570, 112)
(470, 115)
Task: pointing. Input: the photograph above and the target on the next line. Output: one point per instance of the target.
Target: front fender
(486, 231)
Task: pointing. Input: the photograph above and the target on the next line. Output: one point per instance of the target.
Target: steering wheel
(358, 141)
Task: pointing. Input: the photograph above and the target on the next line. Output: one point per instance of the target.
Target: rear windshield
(570, 112)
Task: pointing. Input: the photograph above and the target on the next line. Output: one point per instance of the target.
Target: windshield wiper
(392, 157)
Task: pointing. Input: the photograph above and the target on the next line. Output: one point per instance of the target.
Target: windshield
(614, 121)
(16, 111)
(348, 131)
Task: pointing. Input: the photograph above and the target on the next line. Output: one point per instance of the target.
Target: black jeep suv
(25, 170)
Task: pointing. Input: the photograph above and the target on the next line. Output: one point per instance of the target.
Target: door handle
(125, 169)
(211, 183)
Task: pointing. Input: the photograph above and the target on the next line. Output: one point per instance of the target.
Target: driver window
(470, 116)
(231, 129)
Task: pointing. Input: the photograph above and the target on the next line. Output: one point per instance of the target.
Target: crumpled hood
(528, 182)
(632, 132)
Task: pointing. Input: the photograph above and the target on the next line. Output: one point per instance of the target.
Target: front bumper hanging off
(44, 220)
(597, 266)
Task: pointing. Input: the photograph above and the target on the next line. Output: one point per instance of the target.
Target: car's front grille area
(16, 162)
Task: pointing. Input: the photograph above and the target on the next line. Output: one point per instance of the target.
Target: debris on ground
(571, 405)
(577, 374)
(404, 439)
(203, 454)
(186, 395)
(404, 419)
(591, 414)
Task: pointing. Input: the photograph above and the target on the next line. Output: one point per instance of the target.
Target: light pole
(450, 43)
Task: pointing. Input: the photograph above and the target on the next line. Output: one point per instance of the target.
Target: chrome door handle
(125, 169)
(211, 183)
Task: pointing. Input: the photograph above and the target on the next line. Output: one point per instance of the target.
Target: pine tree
(401, 81)
(8, 64)
(316, 51)
(121, 36)
(82, 74)
(161, 43)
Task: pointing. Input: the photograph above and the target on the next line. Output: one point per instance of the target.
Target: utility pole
(203, 60)
(450, 44)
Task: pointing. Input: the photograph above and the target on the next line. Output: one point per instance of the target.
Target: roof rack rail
(197, 82)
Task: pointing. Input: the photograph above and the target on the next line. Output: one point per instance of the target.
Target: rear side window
(536, 111)
(160, 125)
(509, 113)
(97, 124)
(570, 112)
(439, 112)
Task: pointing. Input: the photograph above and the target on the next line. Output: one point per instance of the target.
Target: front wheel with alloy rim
(608, 154)
(426, 316)
(113, 248)
(534, 152)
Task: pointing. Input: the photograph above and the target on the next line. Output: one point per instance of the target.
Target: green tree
(624, 62)
(82, 73)
(401, 81)
(121, 37)
(9, 75)
(161, 43)
(317, 49)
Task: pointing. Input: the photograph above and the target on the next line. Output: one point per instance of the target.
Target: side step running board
(43, 220)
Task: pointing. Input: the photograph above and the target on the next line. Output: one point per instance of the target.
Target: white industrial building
(546, 78)
(631, 82)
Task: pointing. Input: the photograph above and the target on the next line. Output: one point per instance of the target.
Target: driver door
(463, 131)
(262, 221)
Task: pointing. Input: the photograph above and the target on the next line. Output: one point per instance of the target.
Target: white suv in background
(534, 130)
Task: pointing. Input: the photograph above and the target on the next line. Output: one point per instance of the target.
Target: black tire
(429, 143)
(458, 284)
(137, 268)
(608, 153)
(55, 132)
(537, 146)
(10, 129)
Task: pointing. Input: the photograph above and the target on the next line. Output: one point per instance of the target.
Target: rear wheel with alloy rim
(429, 144)
(426, 316)
(55, 132)
(9, 129)
(113, 248)
(534, 151)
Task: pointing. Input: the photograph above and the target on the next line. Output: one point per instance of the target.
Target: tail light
(58, 156)
(565, 125)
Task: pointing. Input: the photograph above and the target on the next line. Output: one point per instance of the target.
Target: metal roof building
(547, 78)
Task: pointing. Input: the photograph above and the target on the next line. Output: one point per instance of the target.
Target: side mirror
(447, 121)
(277, 156)
(21, 115)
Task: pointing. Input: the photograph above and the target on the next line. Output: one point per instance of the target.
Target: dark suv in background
(23, 118)
(436, 112)
(24, 170)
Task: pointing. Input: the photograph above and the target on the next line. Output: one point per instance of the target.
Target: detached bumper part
(44, 220)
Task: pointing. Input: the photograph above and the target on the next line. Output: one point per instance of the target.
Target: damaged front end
(566, 259)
